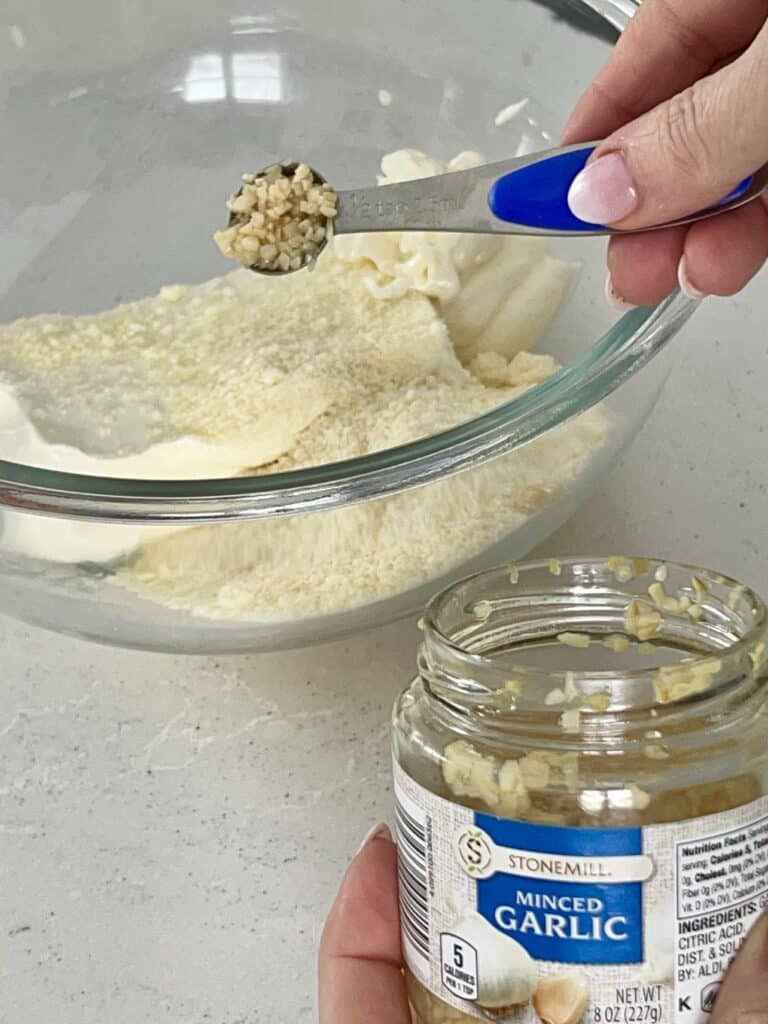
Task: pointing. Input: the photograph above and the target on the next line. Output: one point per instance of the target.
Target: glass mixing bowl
(130, 125)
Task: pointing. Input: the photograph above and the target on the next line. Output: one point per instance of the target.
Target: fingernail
(614, 299)
(686, 286)
(604, 192)
(380, 831)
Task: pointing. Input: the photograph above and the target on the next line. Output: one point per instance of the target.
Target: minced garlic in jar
(581, 774)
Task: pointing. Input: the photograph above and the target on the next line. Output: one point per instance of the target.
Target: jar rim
(584, 577)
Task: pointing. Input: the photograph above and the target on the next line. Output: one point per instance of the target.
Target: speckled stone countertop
(173, 829)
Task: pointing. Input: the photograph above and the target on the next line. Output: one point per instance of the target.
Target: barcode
(412, 866)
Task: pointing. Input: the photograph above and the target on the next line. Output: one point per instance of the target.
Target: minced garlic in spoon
(280, 219)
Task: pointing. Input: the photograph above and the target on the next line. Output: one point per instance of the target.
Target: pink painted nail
(686, 286)
(614, 299)
(380, 831)
(604, 192)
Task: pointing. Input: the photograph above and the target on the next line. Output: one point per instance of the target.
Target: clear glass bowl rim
(600, 370)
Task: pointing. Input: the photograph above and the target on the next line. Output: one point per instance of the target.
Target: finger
(360, 967)
(643, 268)
(667, 46)
(723, 254)
(684, 155)
(743, 997)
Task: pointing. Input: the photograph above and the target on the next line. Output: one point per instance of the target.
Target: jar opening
(594, 635)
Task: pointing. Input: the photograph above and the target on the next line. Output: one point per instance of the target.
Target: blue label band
(560, 912)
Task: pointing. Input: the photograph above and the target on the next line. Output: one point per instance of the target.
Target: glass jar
(581, 773)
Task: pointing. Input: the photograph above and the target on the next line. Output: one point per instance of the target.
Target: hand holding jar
(581, 779)
(361, 964)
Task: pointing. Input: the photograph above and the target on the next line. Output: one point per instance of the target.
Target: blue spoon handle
(522, 196)
(536, 195)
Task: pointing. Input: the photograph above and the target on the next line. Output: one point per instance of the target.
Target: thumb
(743, 997)
(684, 155)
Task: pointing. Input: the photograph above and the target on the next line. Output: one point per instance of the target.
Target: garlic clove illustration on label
(562, 998)
(507, 974)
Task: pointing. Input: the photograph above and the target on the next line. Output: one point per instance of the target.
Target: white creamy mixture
(391, 338)
(509, 113)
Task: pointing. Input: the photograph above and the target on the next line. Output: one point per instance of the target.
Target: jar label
(508, 919)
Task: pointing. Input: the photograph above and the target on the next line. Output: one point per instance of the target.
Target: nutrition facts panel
(722, 887)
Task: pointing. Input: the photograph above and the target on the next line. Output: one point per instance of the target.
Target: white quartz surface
(172, 830)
